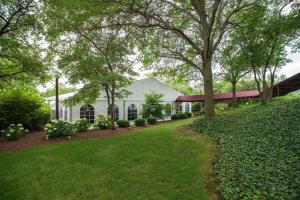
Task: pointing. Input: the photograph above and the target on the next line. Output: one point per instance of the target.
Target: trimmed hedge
(123, 123)
(151, 120)
(259, 150)
(139, 122)
(179, 116)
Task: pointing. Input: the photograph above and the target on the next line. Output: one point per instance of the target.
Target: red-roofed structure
(286, 86)
(280, 89)
(220, 96)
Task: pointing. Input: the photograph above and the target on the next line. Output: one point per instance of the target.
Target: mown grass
(153, 163)
(259, 150)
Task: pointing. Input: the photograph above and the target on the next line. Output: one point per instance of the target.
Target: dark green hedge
(259, 150)
(123, 123)
(139, 122)
(24, 106)
(151, 120)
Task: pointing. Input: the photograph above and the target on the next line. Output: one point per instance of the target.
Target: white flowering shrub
(103, 122)
(82, 125)
(59, 128)
(13, 131)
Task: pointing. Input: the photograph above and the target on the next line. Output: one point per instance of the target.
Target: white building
(128, 108)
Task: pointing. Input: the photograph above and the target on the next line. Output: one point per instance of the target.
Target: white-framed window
(88, 112)
(132, 112)
(187, 107)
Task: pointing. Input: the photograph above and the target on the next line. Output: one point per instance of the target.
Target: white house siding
(138, 90)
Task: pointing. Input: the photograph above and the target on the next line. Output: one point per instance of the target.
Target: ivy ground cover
(259, 150)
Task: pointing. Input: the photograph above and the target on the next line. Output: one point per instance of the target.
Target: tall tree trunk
(208, 88)
(233, 84)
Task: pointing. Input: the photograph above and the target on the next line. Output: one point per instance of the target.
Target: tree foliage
(153, 106)
(20, 53)
(263, 38)
(92, 55)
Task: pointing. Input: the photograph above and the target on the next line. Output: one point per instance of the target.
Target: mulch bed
(37, 138)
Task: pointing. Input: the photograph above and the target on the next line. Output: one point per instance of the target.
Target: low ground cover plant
(151, 120)
(259, 150)
(103, 122)
(59, 128)
(82, 125)
(14, 132)
(123, 123)
(139, 122)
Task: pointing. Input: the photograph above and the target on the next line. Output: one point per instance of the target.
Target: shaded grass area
(154, 163)
(259, 150)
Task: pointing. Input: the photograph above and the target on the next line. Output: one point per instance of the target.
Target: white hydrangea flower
(21, 128)
(11, 131)
(19, 125)
(26, 130)
(8, 135)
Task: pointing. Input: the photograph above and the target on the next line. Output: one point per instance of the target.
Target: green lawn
(154, 163)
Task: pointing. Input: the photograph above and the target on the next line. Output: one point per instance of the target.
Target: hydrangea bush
(82, 125)
(59, 128)
(103, 122)
(13, 131)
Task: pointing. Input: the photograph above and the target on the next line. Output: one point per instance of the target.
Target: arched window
(187, 107)
(132, 112)
(88, 112)
(116, 112)
(168, 110)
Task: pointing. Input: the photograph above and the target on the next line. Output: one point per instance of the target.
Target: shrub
(153, 106)
(175, 116)
(59, 128)
(13, 131)
(151, 120)
(182, 116)
(139, 122)
(188, 114)
(103, 122)
(23, 106)
(123, 123)
(259, 150)
(82, 125)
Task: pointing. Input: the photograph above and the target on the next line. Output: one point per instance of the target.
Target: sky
(288, 70)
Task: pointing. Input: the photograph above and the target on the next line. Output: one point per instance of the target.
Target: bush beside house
(59, 128)
(103, 122)
(151, 120)
(123, 123)
(82, 125)
(139, 122)
(24, 106)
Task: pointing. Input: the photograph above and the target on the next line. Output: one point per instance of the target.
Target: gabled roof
(138, 90)
(286, 86)
(220, 96)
